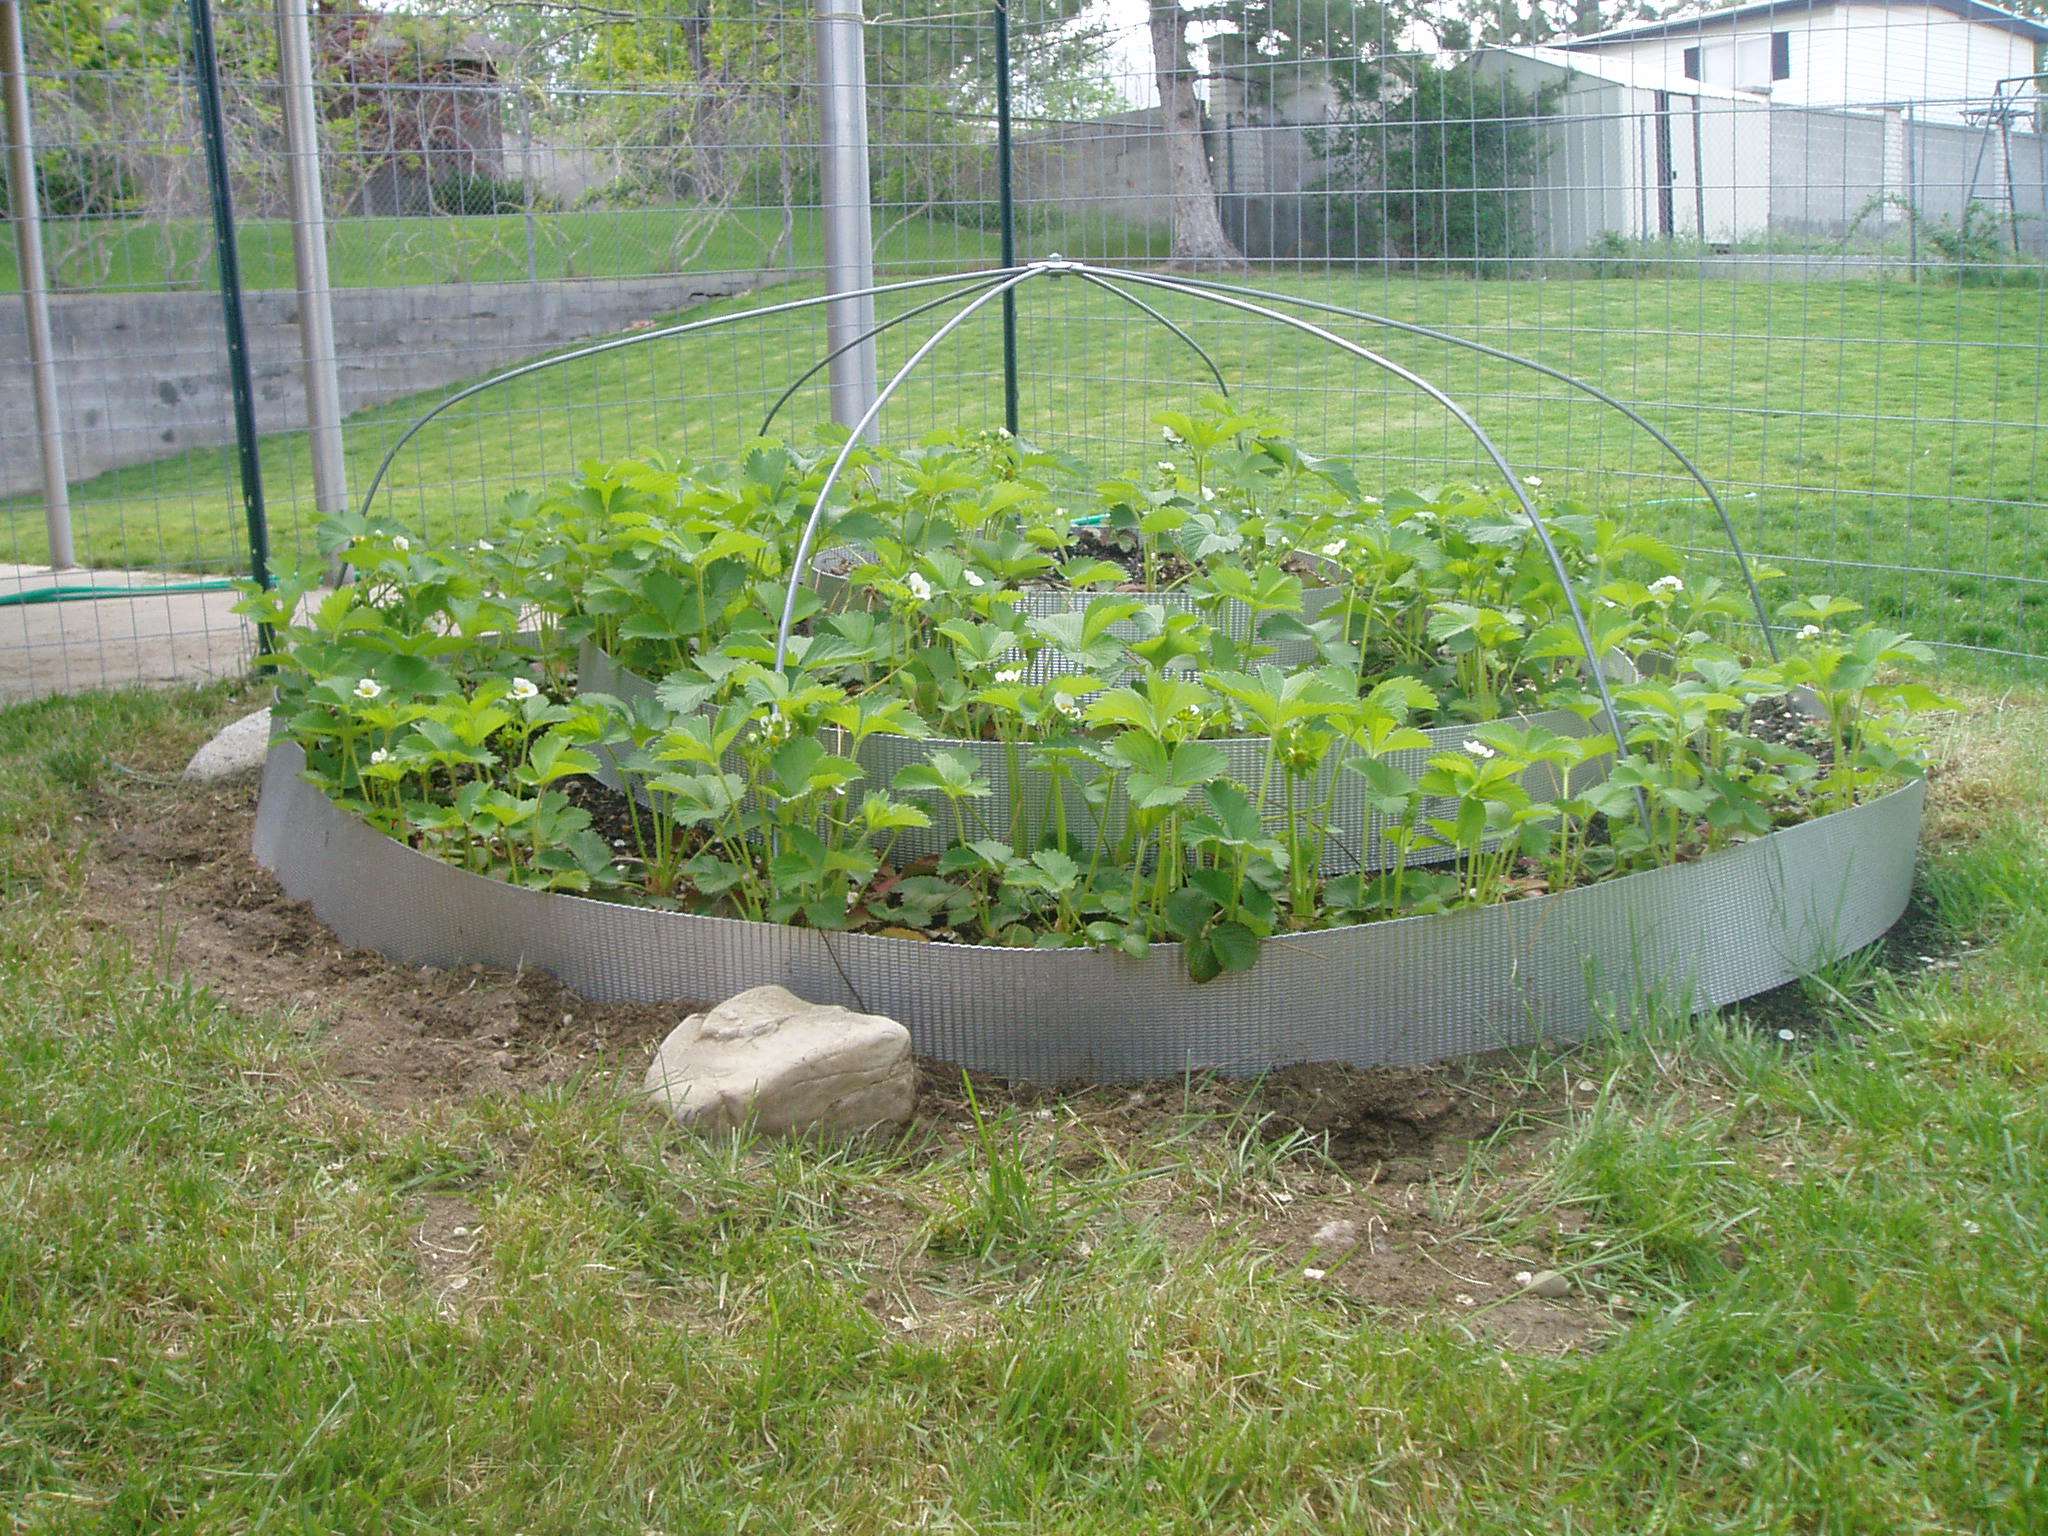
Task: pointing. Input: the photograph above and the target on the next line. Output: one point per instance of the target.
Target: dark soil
(172, 871)
(1121, 548)
(1782, 722)
(1918, 944)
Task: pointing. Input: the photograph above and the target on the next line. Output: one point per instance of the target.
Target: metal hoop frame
(980, 289)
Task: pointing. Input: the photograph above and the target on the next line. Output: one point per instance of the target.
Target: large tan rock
(789, 1066)
(234, 749)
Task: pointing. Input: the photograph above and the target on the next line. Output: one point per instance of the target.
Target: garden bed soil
(168, 868)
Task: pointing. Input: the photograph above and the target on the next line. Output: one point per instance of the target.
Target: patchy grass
(1872, 437)
(131, 255)
(241, 1289)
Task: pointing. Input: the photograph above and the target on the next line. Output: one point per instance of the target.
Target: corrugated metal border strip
(1357, 832)
(1403, 992)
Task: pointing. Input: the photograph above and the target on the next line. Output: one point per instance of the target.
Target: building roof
(1968, 10)
(1636, 74)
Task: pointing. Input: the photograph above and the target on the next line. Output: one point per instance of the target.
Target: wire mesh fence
(1809, 244)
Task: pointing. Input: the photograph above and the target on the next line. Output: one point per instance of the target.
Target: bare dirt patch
(448, 1246)
(1368, 1151)
(1354, 1207)
(172, 871)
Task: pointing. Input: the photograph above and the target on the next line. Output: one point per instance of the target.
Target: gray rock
(1336, 1234)
(233, 749)
(769, 1057)
(1548, 1284)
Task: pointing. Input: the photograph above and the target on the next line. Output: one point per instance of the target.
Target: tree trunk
(1198, 238)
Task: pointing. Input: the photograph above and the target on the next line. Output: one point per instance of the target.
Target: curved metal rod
(1756, 596)
(1486, 443)
(615, 343)
(868, 335)
(1132, 298)
(1014, 276)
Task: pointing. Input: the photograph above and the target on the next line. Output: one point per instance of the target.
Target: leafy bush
(1437, 173)
(476, 192)
(78, 183)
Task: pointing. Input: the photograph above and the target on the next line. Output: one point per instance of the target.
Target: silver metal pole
(309, 255)
(35, 285)
(526, 184)
(849, 229)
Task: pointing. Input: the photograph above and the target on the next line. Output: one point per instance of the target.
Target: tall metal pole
(526, 184)
(213, 125)
(1006, 211)
(309, 256)
(35, 284)
(849, 213)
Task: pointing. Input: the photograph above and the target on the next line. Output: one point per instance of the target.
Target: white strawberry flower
(400, 542)
(1810, 632)
(1171, 436)
(485, 545)
(1479, 749)
(523, 689)
(379, 756)
(1667, 584)
(1535, 481)
(1334, 548)
(368, 688)
(1166, 466)
(974, 579)
(1010, 675)
(919, 587)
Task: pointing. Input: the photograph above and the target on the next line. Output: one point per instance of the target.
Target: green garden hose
(84, 594)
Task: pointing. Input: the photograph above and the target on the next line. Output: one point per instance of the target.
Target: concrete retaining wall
(144, 375)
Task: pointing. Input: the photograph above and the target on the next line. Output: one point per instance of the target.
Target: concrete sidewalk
(153, 638)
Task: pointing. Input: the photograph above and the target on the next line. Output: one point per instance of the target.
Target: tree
(709, 104)
(1346, 39)
(1198, 237)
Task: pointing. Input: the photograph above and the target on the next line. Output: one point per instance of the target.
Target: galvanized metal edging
(1411, 990)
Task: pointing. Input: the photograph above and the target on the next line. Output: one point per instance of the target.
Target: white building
(1944, 58)
(1796, 117)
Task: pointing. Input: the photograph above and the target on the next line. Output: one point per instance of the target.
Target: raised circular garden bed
(1062, 831)
(1416, 989)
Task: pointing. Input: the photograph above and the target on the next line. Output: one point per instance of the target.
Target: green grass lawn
(1811, 1277)
(95, 255)
(1853, 426)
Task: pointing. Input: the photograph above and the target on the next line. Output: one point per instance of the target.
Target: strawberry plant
(1213, 700)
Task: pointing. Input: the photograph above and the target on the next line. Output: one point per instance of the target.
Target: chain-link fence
(1808, 243)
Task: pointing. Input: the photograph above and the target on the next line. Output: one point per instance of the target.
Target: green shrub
(1439, 174)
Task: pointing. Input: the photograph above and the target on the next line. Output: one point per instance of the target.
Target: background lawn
(1852, 426)
(97, 255)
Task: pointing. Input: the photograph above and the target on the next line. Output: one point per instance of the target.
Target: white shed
(1943, 58)
(1812, 120)
(1641, 153)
